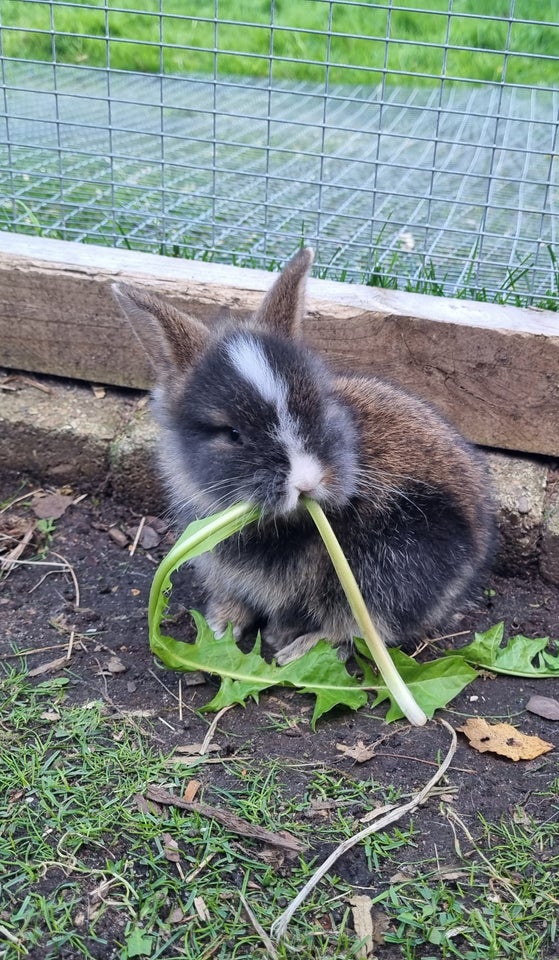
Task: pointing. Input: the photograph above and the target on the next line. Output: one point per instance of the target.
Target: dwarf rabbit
(248, 412)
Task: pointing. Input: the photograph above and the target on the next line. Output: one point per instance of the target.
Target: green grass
(503, 905)
(84, 873)
(391, 270)
(86, 34)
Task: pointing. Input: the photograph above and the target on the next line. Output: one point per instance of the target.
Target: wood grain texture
(493, 370)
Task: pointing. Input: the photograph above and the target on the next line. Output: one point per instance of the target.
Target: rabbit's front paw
(297, 647)
(220, 613)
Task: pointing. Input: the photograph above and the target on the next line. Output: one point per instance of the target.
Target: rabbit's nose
(306, 473)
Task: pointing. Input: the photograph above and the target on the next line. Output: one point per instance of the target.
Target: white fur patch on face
(250, 361)
(306, 472)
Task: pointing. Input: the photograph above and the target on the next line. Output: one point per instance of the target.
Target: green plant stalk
(188, 547)
(377, 648)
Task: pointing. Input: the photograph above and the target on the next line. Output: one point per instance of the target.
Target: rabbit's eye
(224, 431)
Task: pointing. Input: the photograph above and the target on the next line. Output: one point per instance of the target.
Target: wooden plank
(494, 370)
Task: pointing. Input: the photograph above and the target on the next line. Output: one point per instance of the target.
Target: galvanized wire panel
(447, 175)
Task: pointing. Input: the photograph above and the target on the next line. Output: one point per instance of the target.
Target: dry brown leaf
(51, 716)
(158, 524)
(182, 761)
(171, 848)
(191, 790)
(150, 806)
(520, 817)
(321, 808)
(545, 707)
(449, 873)
(118, 537)
(201, 909)
(50, 506)
(49, 667)
(359, 752)
(14, 796)
(115, 665)
(139, 714)
(378, 811)
(402, 876)
(503, 739)
(176, 916)
(148, 538)
(191, 749)
(100, 891)
(13, 528)
(381, 924)
(363, 925)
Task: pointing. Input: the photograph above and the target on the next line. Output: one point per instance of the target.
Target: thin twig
(41, 563)
(453, 816)
(27, 653)
(137, 537)
(211, 729)
(430, 763)
(230, 820)
(271, 950)
(431, 641)
(24, 496)
(201, 866)
(72, 573)
(12, 557)
(49, 573)
(170, 692)
(279, 926)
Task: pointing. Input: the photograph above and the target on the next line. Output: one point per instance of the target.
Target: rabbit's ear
(284, 305)
(171, 340)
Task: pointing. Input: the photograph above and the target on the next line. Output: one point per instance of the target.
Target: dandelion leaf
(319, 672)
(519, 656)
(432, 684)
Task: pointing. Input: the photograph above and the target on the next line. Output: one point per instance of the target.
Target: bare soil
(38, 609)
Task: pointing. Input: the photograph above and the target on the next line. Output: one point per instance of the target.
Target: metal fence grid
(449, 178)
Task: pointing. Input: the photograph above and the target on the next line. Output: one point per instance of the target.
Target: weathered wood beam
(494, 370)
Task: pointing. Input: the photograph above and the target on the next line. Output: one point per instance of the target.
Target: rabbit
(248, 412)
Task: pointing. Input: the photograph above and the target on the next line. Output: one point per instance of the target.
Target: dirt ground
(37, 610)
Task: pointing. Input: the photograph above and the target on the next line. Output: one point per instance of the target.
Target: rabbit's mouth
(327, 495)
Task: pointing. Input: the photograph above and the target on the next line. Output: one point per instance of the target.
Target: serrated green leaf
(243, 675)
(519, 656)
(319, 672)
(551, 662)
(138, 944)
(433, 684)
(485, 645)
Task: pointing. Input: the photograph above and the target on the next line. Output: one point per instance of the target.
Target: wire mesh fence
(410, 144)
